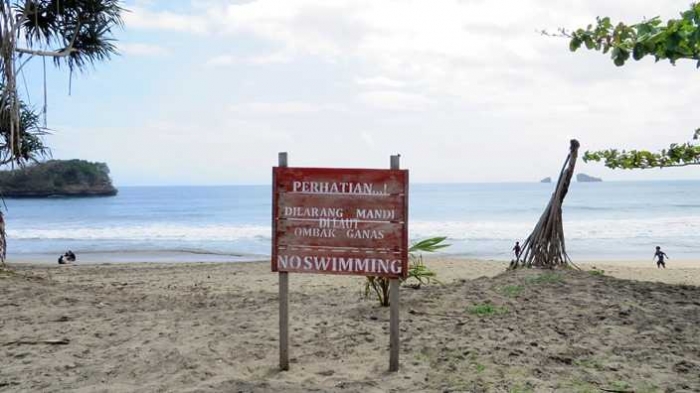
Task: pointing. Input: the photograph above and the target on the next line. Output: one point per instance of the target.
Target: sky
(207, 92)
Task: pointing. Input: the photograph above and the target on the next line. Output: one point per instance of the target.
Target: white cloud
(270, 58)
(368, 139)
(284, 108)
(222, 60)
(396, 100)
(141, 18)
(380, 82)
(142, 49)
(227, 60)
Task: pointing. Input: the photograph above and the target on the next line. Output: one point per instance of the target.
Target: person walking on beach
(517, 250)
(660, 255)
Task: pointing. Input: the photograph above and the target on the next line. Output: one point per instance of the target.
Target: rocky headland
(55, 178)
(584, 178)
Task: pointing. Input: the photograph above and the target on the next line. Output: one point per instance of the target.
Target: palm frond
(429, 245)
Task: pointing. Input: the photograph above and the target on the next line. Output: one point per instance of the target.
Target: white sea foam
(458, 230)
(669, 227)
(153, 232)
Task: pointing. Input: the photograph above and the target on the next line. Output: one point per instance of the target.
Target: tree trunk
(3, 243)
(545, 247)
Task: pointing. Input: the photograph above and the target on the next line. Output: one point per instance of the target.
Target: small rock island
(546, 180)
(584, 178)
(73, 178)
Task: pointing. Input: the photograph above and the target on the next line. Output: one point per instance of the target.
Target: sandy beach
(206, 327)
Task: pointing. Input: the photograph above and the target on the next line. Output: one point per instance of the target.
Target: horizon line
(416, 183)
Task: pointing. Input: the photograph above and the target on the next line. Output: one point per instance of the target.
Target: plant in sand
(74, 34)
(545, 247)
(417, 270)
(596, 272)
(487, 309)
(512, 290)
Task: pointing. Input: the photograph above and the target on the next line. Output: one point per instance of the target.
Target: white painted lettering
(316, 187)
(383, 266)
(295, 262)
(345, 264)
(282, 261)
(361, 264)
(321, 263)
(395, 266)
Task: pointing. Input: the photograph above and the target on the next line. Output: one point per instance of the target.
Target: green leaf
(575, 43)
(429, 245)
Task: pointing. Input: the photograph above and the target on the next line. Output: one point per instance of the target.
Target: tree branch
(671, 165)
(62, 53)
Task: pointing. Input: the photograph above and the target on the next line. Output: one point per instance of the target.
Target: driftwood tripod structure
(545, 247)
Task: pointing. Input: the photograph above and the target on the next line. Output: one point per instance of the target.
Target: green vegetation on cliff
(58, 178)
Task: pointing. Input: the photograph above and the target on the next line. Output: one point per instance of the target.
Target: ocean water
(609, 220)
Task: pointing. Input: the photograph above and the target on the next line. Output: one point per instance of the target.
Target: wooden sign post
(340, 221)
(283, 290)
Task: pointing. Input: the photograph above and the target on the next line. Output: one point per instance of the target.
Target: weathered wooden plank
(340, 181)
(366, 207)
(346, 262)
(340, 233)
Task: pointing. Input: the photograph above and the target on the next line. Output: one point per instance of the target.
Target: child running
(660, 255)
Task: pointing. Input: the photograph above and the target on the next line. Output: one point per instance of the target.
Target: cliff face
(58, 178)
(583, 178)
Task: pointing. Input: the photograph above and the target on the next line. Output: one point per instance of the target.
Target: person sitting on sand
(66, 258)
(660, 255)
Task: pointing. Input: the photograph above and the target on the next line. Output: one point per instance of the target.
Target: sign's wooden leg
(284, 320)
(283, 297)
(394, 325)
(394, 163)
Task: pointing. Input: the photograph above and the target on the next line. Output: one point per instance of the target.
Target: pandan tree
(546, 247)
(73, 34)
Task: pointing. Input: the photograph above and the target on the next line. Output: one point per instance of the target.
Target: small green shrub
(621, 385)
(597, 272)
(486, 309)
(512, 290)
(420, 273)
(590, 363)
(416, 270)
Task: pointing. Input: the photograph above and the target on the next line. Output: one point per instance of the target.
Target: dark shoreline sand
(213, 327)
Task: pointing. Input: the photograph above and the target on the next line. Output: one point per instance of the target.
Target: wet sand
(213, 327)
